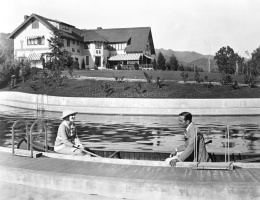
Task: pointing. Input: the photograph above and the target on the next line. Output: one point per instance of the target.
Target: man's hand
(173, 162)
(174, 152)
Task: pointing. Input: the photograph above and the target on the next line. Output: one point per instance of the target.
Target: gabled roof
(29, 20)
(138, 36)
(43, 20)
(91, 35)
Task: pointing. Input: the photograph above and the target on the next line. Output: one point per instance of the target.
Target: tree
(83, 64)
(181, 68)
(254, 63)
(161, 61)
(226, 60)
(154, 64)
(174, 64)
(6, 48)
(58, 58)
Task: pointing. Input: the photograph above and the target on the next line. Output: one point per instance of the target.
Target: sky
(203, 26)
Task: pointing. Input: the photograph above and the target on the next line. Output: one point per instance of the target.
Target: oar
(88, 152)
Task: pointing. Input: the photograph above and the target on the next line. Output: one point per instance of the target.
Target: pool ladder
(29, 137)
(227, 165)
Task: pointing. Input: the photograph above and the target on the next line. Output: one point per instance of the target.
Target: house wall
(92, 52)
(25, 50)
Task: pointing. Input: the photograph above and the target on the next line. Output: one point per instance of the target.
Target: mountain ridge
(189, 58)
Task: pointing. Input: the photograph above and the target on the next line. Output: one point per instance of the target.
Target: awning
(132, 56)
(34, 56)
(35, 36)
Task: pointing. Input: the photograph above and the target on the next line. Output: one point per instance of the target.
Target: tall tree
(226, 60)
(254, 63)
(59, 58)
(6, 48)
(174, 64)
(161, 61)
(154, 64)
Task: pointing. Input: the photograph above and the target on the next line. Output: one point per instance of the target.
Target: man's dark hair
(187, 116)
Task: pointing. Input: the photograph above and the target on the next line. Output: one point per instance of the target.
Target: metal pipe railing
(27, 133)
(45, 128)
(227, 152)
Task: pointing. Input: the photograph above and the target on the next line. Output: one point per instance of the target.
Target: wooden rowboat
(146, 155)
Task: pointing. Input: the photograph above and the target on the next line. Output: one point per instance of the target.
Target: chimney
(99, 28)
(26, 17)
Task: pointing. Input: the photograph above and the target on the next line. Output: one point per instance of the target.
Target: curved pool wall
(132, 106)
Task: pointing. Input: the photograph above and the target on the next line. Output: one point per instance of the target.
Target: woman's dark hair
(187, 116)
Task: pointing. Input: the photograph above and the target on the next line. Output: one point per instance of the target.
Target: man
(183, 152)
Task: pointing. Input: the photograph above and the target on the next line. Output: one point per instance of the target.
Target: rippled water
(158, 133)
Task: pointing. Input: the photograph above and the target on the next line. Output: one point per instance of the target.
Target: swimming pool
(155, 133)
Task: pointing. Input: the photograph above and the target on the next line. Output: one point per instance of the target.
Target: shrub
(119, 67)
(148, 78)
(251, 80)
(184, 76)
(226, 79)
(197, 77)
(136, 66)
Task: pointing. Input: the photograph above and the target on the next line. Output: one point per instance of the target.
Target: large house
(91, 48)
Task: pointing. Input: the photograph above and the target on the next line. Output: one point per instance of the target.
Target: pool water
(155, 133)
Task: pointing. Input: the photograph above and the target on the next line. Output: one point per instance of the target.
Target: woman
(67, 141)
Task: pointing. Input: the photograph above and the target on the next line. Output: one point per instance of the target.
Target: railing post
(31, 130)
(195, 144)
(228, 143)
(27, 135)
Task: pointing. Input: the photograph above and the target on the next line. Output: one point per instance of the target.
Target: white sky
(180, 25)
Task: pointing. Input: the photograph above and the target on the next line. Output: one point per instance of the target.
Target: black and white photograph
(130, 100)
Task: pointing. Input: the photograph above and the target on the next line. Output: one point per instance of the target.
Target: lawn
(137, 74)
(80, 87)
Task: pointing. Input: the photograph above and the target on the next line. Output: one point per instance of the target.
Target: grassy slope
(92, 88)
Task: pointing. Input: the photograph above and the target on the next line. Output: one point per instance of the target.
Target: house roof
(91, 35)
(43, 20)
(136, 38)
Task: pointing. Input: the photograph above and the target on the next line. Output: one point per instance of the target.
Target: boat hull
(148, 155)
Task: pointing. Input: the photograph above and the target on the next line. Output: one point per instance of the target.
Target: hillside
(203, 63)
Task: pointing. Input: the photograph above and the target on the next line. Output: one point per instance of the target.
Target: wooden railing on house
(141, 67)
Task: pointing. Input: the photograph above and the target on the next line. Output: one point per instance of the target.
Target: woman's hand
(174, 152)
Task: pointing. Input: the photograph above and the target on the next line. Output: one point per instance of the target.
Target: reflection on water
(158, 133)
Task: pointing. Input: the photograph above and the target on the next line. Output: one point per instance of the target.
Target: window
(78, 50)
(73, 41)
(98, 45)
(73, 50)
(86, 45)
(68, 42)
(65, 27)
(21, 59)
(36, 41)
(35, 24)
(87, 60)
(77, 42)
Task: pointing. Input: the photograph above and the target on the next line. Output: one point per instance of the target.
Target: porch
(131, 61)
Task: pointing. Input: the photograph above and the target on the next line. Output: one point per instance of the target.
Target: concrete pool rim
(132, 106)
